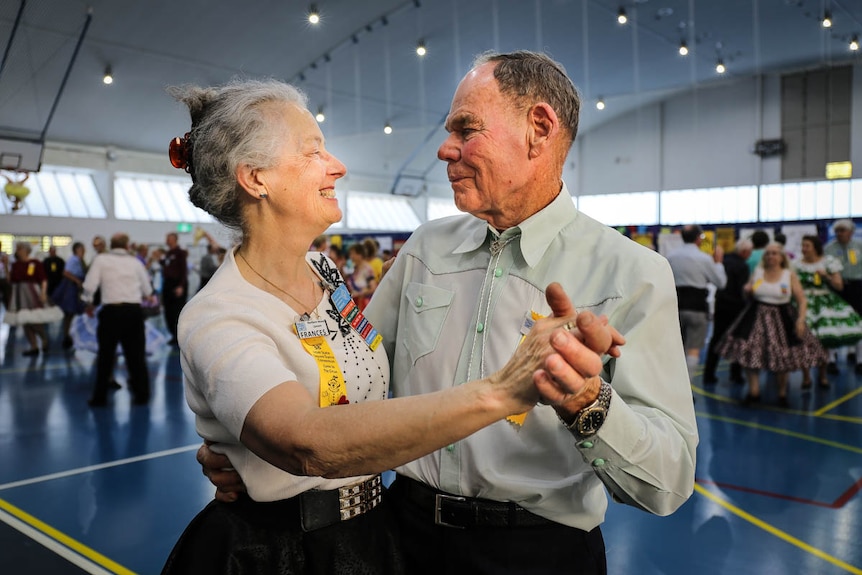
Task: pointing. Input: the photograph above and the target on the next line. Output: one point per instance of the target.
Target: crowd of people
(107, 296)
(775, 310)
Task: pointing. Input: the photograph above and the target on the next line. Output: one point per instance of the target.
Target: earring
(263, 195)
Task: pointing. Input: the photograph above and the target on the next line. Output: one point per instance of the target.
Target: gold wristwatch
(588, 420)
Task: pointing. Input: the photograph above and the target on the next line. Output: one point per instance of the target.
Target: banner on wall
(794, 233)
(707, 242)
(725, 238)
(643, 239)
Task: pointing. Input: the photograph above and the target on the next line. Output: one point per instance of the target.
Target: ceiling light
(313, 14)
(827, 19)
(720, 67)
(854, 43)
(683, 48)
(320, 117)
(421, 50)
(387, 129)
(621, 16)
(108, 78)
(600, 104)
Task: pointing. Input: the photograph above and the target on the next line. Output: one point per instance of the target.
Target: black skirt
(250, 538)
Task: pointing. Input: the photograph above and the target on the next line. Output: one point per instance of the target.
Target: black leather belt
(318, 509)
(467, 512)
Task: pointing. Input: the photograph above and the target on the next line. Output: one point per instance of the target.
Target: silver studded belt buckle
(356, 499)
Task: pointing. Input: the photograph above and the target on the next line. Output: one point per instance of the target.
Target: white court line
(90, 468)
(52, 545)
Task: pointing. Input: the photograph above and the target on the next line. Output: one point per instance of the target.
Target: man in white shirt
(693, 270)
(124, 284)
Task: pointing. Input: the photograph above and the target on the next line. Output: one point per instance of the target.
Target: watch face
(591, 421)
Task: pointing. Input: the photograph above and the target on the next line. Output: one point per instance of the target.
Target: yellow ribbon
(519, 418)
(333, 390)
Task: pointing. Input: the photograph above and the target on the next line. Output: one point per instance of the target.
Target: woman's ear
(251, 181)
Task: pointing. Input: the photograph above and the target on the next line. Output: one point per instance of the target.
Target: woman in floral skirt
(771, 334)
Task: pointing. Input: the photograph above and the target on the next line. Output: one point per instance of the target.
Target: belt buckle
(439, 499)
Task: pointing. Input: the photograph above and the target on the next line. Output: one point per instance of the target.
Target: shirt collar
(537, 231)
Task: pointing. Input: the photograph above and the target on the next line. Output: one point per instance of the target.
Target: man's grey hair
(744, 244)
(531, 77)
(844, 224)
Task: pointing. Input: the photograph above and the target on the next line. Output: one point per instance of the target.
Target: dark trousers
(248, 538)
(173, 305)
(852, 294)
(5, 292)
(722, 319)
(551, 548)
(123, 324)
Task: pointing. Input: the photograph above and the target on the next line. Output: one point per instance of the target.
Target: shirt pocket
(427, 308)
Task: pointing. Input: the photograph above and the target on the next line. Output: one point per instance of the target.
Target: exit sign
(839, 170)
(184, 227)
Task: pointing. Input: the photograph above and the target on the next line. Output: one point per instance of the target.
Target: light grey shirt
(448, 307)
(849, 255)
(120, 275)
(692, 267)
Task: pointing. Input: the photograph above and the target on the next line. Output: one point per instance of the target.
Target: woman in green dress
(830, 318)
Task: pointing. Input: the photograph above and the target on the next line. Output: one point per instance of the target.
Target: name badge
(529, 321)
(313, 328)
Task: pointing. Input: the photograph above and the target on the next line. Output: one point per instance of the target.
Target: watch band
(602, 400)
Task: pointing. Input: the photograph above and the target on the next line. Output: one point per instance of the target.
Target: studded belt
(320, 509)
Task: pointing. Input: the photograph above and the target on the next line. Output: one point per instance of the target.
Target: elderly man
(693, 271)
(528, 495)
(729, 303)
(124, 284)
(848, 250)
(175, 286)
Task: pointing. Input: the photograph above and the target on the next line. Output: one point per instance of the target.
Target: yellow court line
(775, 531)
(821, 413)
(61, 537)
(780, 431)
(838, 401)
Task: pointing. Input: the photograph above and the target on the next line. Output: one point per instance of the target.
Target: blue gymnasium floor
(110, 490)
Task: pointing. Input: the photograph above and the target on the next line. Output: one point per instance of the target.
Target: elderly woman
(282, 371)
(28, 304)
(771, 334)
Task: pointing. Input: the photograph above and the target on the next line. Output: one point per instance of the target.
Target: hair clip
(180, 152)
